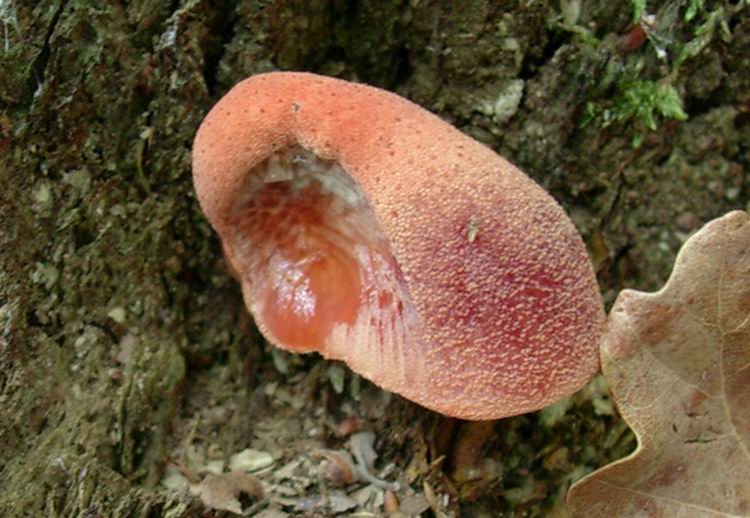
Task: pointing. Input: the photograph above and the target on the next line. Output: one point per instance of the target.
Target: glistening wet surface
(310, 246)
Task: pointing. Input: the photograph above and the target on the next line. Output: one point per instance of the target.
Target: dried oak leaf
(678, 366)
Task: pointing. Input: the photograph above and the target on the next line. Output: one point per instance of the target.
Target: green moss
(650, 102)
(639, 8)
(644, 101)
(703, 33)
(693, 8)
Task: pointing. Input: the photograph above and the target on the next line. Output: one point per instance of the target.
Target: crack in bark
(39, 65)
(221, 27)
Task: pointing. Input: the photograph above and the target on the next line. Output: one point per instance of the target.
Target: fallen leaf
(678, 366)
(369, 497)
(271, 513)
(336, 502)
(390, 502)
(362, 446)
(250, 460)
(414, 505)
(339, 502)
(223, 491)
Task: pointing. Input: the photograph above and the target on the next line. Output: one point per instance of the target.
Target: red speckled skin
(509, 313)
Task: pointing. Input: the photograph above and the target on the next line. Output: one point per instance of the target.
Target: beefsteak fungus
(364, 228)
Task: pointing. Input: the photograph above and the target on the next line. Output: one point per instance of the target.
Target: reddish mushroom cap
(425, 261)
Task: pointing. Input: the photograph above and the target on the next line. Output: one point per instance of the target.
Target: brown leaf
(678, 365)
(222, 491)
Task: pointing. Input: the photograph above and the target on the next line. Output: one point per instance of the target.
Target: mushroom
(365, 228)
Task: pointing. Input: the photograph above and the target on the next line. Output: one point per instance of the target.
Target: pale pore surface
(318, 267)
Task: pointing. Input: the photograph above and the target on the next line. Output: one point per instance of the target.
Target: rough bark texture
(124, 346)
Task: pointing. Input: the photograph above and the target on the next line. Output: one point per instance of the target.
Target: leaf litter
(295, 460)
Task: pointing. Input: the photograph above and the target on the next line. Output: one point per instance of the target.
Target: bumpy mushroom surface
(367, 229)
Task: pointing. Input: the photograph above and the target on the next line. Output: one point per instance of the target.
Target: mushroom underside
(318, 269)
